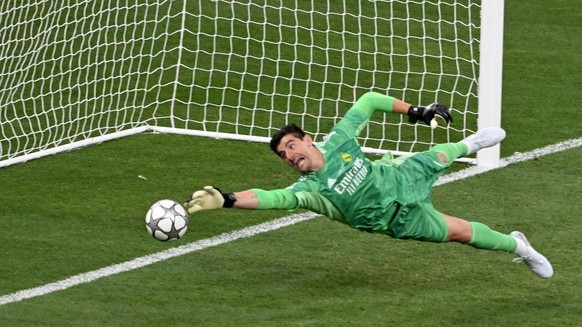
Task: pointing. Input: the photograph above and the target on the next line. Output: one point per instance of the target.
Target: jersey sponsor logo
(353, 178)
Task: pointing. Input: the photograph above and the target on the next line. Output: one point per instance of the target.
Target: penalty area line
(250, 231)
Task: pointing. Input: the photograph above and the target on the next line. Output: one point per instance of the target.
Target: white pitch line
(156, 257)
(248, 232)
(515, 158)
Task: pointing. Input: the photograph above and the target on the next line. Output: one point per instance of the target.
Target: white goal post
(82, 72)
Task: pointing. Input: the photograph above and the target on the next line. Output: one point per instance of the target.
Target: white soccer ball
(167, 220)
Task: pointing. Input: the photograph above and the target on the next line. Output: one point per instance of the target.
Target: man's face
(299, 154)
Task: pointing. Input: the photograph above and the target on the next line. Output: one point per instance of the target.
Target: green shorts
(419, 222)
(417, 218)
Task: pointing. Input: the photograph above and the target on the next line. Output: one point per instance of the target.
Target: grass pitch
(316, 273)
(80, 211)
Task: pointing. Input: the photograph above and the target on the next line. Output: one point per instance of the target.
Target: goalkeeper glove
(427, 114)
(209, 198)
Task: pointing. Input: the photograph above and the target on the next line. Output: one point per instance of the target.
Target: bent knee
(442, 157)
(459, 230)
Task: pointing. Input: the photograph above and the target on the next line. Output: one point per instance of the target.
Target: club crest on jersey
(346, 157)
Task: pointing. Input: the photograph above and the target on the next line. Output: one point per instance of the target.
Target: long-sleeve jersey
(349, 188)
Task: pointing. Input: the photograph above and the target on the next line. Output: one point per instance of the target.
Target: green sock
(451, 150)
(488, 239)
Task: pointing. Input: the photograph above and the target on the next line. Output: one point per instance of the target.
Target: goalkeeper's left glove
(427, 114)
(210, 198)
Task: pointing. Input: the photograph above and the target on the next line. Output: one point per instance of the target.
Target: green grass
(83, 210)
(73, 213)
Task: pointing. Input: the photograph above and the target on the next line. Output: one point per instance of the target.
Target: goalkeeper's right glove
(429, 113)
(209, 198)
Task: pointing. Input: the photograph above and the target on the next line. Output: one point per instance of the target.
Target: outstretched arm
(357, 118)
(373, 101)
(400, 107)
(211, 198)
(246, 200)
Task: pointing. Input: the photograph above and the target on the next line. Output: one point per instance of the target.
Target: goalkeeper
(388, 196)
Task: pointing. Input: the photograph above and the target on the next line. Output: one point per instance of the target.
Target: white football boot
(484, 138)
(533, 259)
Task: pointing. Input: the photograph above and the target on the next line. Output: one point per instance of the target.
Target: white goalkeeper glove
(210, 198)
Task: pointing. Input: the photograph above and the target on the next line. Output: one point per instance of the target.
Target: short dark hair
(289, 129)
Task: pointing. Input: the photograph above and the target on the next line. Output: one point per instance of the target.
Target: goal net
(79, 72)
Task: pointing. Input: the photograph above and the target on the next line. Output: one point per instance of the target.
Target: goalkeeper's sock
(452, 151)
(488, 239)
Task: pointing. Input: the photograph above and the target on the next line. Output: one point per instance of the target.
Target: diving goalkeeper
(388, 196)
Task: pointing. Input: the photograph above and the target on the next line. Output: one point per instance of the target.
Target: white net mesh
(73, 70)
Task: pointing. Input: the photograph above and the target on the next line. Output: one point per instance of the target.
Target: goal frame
(490, 77)
(489, 98)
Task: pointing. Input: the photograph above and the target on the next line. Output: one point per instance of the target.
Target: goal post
(490, 76)
(81, 72)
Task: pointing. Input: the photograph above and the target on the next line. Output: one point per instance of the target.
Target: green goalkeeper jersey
(349, 188)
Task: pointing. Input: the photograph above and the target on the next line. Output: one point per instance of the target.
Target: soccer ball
(167, 220)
